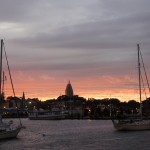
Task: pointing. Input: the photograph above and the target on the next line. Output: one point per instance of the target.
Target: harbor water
(75, 135)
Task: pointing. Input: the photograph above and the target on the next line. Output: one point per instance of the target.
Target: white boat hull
(134, 126)
(10, 133)
(47, 117)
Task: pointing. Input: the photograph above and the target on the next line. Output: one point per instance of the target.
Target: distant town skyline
(90, 43)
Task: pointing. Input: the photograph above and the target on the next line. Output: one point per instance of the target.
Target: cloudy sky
(92, 43)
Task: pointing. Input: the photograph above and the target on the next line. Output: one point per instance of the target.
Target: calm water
(75, 135)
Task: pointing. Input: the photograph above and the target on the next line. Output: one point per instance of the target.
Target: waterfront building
(69, 90)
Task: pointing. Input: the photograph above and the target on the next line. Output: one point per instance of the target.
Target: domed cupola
(69, 90)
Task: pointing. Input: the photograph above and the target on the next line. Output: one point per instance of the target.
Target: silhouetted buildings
(75, 106)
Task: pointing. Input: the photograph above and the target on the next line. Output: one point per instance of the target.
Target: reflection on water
(75, 135)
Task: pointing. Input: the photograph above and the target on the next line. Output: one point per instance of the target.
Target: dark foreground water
(75, 135)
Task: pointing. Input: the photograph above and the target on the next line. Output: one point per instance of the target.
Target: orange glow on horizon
(44, 91)
(46, 87)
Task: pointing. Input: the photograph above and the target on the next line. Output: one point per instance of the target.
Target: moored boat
(132, 125)
(140, 123)
(46, 115)
(7, 130)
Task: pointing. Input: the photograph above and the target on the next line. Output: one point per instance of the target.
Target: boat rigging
(6, 129)
(138, 123)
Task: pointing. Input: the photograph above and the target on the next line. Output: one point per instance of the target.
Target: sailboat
(139, 123)
(7, 130)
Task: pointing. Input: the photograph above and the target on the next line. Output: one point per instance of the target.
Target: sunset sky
(92, 43)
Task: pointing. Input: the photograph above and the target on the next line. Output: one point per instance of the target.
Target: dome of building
(69, 90)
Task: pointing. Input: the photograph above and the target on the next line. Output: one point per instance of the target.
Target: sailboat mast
(139, 76)
(1, 71)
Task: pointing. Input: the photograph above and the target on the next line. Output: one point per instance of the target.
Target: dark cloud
(75, 38)
(16, 11)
